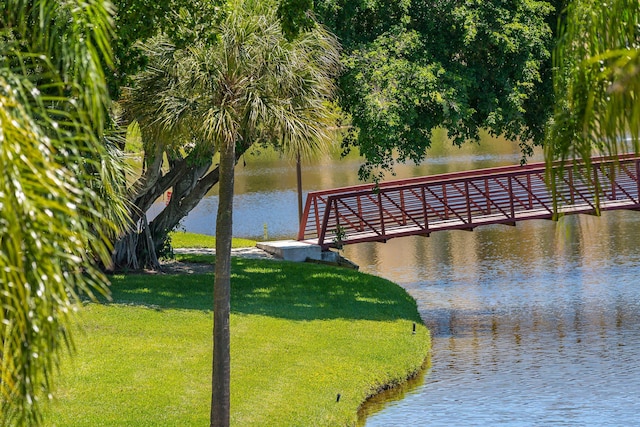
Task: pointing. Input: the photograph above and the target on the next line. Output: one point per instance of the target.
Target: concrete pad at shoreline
(292, 250)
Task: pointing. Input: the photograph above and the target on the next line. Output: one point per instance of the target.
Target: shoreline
(303, 333)
(393, 387)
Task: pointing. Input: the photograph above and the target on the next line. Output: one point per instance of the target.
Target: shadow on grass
(296, 291)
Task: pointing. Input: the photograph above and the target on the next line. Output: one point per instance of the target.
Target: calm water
(537, 325)
(534, 325)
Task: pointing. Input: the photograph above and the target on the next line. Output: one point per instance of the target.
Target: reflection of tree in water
(546, 323)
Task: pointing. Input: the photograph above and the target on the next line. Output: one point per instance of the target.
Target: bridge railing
(465, 200)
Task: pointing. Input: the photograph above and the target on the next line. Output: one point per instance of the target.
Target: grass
(301, 335)
(181, 239)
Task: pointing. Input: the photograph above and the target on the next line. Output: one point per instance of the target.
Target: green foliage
(301, 334)
(251, 86)
(136, 21)
(413, 66)
(358, 22)
(597, 81)
(386, 113)
(294, 16)
(60, 188)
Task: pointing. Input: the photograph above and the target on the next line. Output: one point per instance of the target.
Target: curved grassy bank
(301, 335)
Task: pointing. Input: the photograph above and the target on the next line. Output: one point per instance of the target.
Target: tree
(60, 200)
(251, 86)
(262, 88)
(166, 102)
(597, 82)
(412, 66)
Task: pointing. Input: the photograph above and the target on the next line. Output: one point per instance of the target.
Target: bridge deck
(465, 200)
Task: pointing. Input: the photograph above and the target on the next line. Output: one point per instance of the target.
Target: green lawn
(301, 334)
(181, 239)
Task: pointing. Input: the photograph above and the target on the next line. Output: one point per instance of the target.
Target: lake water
(537, 325)
(534, 325)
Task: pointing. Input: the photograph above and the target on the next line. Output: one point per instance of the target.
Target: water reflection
(533, 325)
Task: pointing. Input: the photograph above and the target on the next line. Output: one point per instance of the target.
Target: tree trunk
(182, 202)
(190, 183)
(221, 380)
(151, 248)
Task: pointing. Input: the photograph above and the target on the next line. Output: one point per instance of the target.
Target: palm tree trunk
(220, 396)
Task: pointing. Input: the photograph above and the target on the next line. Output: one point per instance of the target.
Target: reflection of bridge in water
(465, 200)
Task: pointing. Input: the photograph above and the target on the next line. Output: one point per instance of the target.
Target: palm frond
(60, 191)
(251, 85)
(596, 82)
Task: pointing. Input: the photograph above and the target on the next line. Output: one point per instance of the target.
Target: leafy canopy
(184, 21)
(465, 65)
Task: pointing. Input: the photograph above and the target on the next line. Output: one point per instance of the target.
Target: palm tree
(59, 188)
(251, 86)
(597, 81)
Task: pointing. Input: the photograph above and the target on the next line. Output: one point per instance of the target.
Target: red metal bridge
(465, 200)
